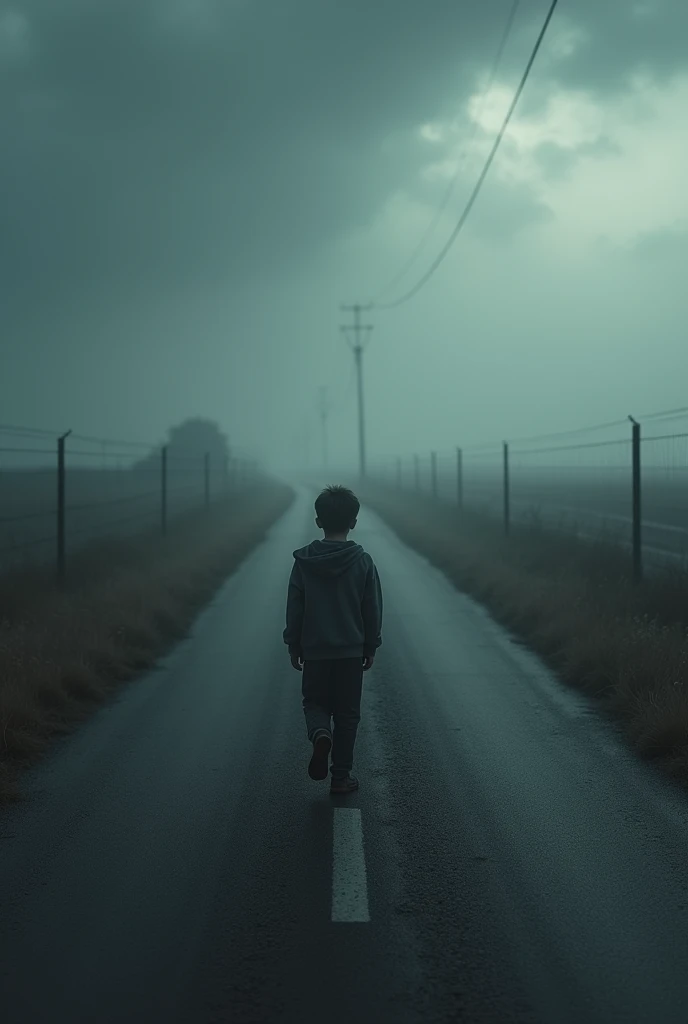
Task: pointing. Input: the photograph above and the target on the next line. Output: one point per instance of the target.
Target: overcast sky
(190, 188)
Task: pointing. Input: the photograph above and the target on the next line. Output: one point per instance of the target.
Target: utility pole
(324, 409)
(359, 329)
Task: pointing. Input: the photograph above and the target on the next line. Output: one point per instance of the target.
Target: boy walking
(334, 624)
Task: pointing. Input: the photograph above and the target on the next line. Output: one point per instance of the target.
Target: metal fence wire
(59, 494)
(630, 488)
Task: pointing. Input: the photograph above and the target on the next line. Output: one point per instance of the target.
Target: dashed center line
(349, 882)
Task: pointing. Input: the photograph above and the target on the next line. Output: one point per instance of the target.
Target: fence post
(507, 509)
(163, 491)
(433, 472)
(206, 478)
(459, 477)
(637, 521)
(61, 522)
(416, 470)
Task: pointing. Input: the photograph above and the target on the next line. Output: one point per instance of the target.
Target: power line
(488, 163)
(455, 177)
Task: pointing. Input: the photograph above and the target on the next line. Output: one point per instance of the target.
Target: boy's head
(336, 509)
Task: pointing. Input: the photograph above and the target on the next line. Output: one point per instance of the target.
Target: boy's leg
(346, 711)
(316, 691)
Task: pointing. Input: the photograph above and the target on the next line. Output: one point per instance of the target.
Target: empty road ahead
(504, 860)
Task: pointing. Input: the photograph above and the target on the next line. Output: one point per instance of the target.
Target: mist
(193, 188)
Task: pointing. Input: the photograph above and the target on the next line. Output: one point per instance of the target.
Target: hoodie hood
(329, 557)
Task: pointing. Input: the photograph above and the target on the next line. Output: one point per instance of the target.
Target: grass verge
(127, 602)
(575, 604)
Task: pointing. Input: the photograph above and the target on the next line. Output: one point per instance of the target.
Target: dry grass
(62, 652)
(576, 605)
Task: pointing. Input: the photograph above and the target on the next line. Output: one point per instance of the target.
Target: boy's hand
(368, 662)
(296, 661)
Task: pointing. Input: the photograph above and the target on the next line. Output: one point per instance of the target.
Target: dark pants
(333, 689)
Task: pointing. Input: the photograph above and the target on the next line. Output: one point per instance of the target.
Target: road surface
(505, 860)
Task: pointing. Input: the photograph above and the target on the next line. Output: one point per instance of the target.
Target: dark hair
(336, 507)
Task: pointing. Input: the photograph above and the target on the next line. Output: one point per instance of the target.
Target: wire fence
(628, 484)
(59, 494)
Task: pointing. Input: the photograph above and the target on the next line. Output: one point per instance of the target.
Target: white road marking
(349, 884)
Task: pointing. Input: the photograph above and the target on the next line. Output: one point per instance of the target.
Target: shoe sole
(318, 768)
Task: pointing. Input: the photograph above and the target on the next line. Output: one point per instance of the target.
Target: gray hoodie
(334, 602)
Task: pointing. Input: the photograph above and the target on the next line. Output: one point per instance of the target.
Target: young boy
(334, 623)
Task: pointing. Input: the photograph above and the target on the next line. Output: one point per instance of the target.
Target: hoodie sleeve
(372, 611)
(295, 605)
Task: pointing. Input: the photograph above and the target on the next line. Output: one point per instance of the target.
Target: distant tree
(188, 443)
(196, 437)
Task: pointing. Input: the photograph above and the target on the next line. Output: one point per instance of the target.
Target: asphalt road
(505, 860)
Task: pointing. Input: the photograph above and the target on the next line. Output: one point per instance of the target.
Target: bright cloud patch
(614, 170)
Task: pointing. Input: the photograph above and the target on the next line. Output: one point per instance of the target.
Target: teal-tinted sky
(191, 187)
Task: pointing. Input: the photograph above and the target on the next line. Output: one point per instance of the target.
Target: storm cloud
(157, 145)
(156, 153)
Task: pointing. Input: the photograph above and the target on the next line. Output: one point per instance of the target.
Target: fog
(192, 188)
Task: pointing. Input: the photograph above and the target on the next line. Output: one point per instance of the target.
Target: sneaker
(322, 744)
(345, 785)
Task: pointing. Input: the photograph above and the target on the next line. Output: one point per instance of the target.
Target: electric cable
(488, 163)
(455, 177)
